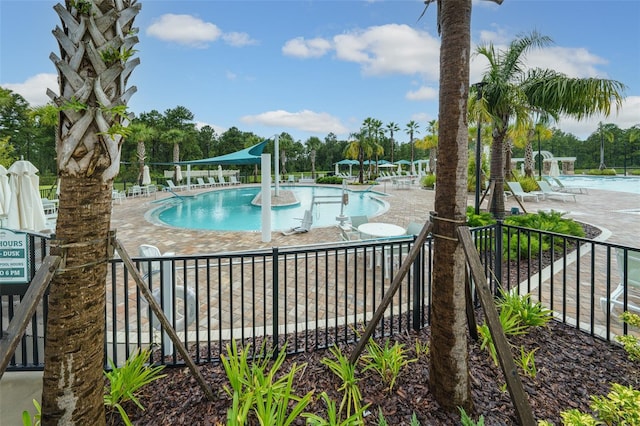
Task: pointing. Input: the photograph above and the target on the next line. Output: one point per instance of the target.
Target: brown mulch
(571, 366)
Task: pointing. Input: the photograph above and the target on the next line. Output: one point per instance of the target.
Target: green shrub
(605, 172)
(388, 361)
(631, 344)
(125, 382)
(428, 181)
(529, 184)
(465, 420)
(332, 180)
(352, 397)
(482, 219)
(545, 221)
(527, 313)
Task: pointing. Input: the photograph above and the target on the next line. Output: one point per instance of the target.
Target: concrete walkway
(618, 213)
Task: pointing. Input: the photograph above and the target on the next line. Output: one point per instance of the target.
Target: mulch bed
(571, 366)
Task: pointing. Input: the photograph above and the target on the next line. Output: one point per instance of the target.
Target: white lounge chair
(173, 187)
(233, 180)
(201, 183)
(548, 192)
(632, 278)
(517, 191)
(559, 186)
(212, 181)
(305, 225)
(222, 181)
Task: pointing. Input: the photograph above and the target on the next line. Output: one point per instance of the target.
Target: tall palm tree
(356, 150)
(412, 129)
(96, 42)
(512, 93)
(140, 133)
(430, 142)
(449, 366)
(391, 128)
(174, 137)
(605, 134)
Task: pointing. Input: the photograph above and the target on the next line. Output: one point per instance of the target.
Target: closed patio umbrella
(146, 177)
(5, 191)
(25, 208)
(220, 175)
(178, 174)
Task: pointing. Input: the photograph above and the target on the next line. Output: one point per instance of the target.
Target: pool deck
(616, 212)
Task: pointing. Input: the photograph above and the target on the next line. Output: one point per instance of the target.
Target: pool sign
(13, 257)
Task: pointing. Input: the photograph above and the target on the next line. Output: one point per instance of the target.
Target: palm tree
(140, 133)
(411, 129)
(96, 42)
(512, 93)
(449, 368)
(356, 150)
(392, 127)
(605, 134)
(175, 137)
(430, 142)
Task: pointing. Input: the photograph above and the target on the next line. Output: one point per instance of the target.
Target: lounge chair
(632, 278)
(350, 231)
(291, 179)
(304, 226)
(414, 228)
(212, 181)
(548, 192)
(201, 183)
(517, 191)
(222, 181)
(233, 180)
(553, 181)
(173, 187)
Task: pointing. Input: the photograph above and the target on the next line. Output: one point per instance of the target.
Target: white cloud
(34, 89)
(628, 116)
(301, 48)
(238, 39)
(391, 49)
(422, 94)
(184, 29)
(231, 75)
(305, 120)
(218, 129)
(574, 62)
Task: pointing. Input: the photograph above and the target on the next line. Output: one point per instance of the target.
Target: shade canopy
(347, 162)
(407, 162)
(249, 155)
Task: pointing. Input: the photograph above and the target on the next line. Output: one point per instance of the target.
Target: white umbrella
(25, 208)
(5, 191)
(413, 168)
(178, 174)
(399, 168)
(146, 177)
(554, 170)
(337, 169)
(220, 175)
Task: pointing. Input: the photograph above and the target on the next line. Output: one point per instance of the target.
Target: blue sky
(313, 67)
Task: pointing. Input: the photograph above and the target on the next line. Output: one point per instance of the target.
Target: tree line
(29, 132)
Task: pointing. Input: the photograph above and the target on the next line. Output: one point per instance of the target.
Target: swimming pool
(610, 183)
(231, 209)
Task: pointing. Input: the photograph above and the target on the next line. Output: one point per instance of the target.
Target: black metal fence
(312, 297)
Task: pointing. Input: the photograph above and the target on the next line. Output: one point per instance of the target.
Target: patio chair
(222, 181)
(548, 192)
(517, 191)
(201, 183)
(118, 196)
(559, 186)
(304, 226)
(291, 179)
(135, 191)
(212, 181)
(173, 187)
(350, 231)
(630, 280)
(233, 180)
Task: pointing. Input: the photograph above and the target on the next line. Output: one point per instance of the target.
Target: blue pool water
(231, 209)
(609, 183)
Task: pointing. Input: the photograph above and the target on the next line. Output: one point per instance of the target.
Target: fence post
(498, 259)
(274, 302)
(417, 288)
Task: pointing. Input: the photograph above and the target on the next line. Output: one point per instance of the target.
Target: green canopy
(249, 155)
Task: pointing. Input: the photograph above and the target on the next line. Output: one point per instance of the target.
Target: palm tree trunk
(88, 155)
(528, 160)
(449, 368)
(74, 350)
(497, 178)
